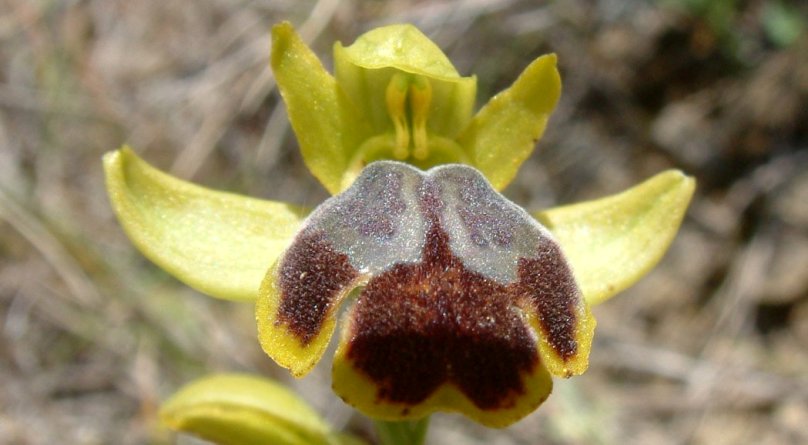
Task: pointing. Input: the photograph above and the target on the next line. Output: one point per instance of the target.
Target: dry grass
(710, 348)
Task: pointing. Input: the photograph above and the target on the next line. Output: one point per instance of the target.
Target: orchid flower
(460, 300)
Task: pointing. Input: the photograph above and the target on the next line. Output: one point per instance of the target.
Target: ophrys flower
(466, 302)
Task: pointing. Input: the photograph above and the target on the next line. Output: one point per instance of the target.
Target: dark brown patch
(311, 276)
(418, 326)
(551, 289)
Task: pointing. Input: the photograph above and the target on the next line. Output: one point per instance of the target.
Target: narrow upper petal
(218, 243)
(467, 303)
(612, 242)
(327, 126)
(505, 131)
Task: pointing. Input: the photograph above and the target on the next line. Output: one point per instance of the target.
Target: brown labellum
(453, 273)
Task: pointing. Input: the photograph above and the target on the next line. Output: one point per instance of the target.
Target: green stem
(408, 432)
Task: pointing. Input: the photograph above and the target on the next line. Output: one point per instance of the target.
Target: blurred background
(710, 348)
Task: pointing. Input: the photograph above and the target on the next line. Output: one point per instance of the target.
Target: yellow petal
(504, 132)
(235, 409)
(218, 243)
(612, 242)
(327, 127)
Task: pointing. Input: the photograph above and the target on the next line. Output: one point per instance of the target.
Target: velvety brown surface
(421, 325)
(547, 283)
(311, 277)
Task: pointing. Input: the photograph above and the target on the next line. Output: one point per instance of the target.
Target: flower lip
(463, 288)
(420, 325)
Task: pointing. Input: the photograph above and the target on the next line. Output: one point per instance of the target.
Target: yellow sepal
(218, 243)
(612, 242)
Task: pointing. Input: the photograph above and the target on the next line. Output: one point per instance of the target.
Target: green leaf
(219, 243)
(612, 242)
(327, 126)
(235, 409)
(504, 132)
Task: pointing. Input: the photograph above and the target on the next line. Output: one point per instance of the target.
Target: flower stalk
(408, 432)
